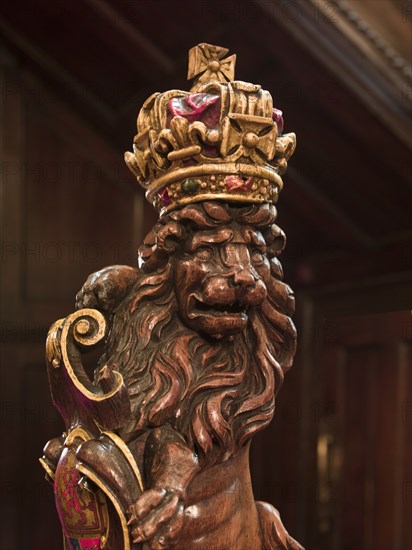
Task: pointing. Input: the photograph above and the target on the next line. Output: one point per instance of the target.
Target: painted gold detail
(84, 514)
(221, 127)
(88, 328)
(113, 499)
(76, 433)
(53, 351)
(46, 467)
(206, 62)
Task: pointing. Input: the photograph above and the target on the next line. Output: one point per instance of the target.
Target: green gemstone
(190, 186)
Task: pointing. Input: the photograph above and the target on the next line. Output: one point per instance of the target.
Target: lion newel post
(195, 341)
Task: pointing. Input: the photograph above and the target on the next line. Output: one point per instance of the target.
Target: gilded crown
(222, 140)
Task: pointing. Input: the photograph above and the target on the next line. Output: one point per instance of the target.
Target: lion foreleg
(157, 516)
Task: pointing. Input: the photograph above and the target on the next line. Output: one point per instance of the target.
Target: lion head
(204, 338)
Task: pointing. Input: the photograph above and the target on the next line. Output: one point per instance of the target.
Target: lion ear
(169, 237)
(159, 244)
(276, 240)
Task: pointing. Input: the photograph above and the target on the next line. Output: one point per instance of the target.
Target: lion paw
(105, 289)
(156, 518)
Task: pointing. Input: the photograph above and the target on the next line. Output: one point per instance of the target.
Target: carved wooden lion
(194, 343)
(201, 336)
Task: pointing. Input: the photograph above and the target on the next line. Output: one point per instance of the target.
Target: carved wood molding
(325, 30)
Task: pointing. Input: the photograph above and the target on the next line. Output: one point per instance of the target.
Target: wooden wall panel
(75, 213)
(404, 456)
(61, 183)
(70, 205)
(274, 471)
(363, 449)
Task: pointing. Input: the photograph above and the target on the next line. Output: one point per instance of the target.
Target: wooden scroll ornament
(194, 342)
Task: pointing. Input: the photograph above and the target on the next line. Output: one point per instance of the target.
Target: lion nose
(244, 277)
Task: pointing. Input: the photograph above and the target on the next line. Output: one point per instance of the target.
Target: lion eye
(204, 253)
(257, 257)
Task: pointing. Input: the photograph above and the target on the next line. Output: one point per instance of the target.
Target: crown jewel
(222, 140)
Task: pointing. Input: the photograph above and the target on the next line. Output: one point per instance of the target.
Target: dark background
(337, 459)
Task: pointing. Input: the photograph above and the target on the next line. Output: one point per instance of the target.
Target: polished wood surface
(184, 382)
(360, 261)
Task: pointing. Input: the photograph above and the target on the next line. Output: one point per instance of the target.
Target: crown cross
(207, 63)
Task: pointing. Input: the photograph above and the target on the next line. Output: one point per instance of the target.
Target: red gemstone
(238, 184)
(164, 197)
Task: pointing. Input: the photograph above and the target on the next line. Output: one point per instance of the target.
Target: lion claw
(132, 519)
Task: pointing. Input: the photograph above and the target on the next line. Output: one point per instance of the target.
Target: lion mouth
(234, 308)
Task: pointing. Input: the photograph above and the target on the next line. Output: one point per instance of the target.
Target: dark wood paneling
(362, 372)
(61, 184)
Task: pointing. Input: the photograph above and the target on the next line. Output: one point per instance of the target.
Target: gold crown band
(226, 197)
(229, 186)
(248, 170)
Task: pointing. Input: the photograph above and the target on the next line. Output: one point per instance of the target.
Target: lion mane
(215, 393)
